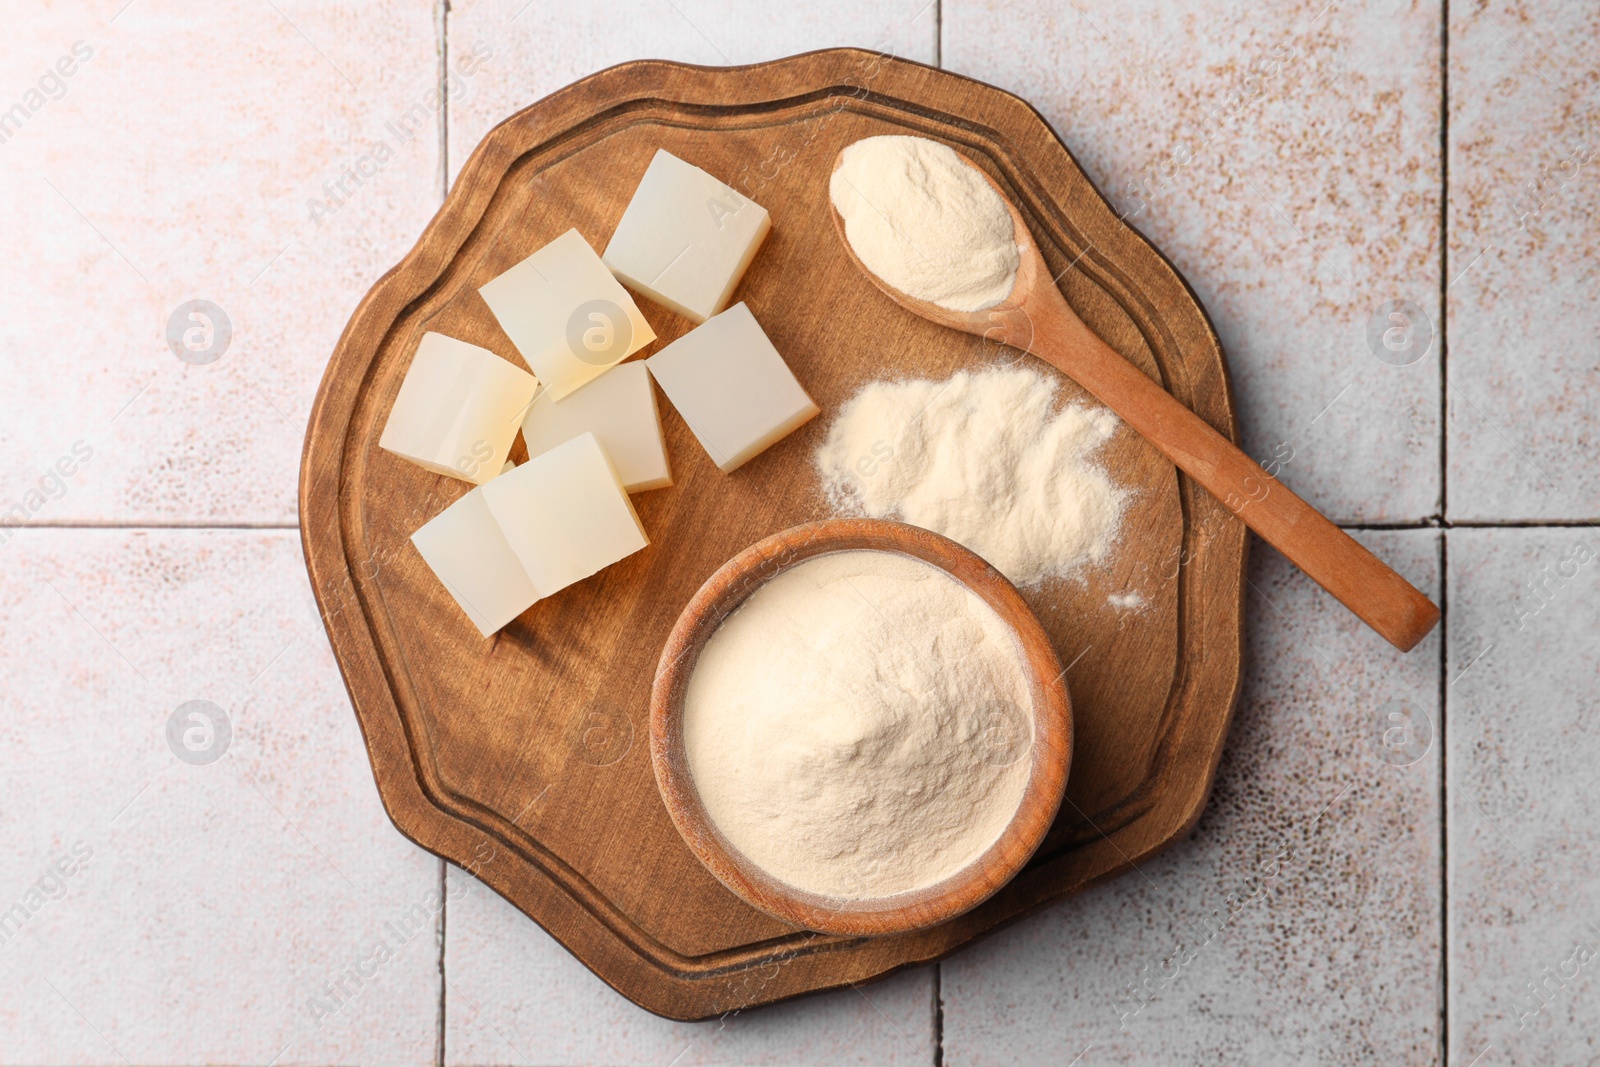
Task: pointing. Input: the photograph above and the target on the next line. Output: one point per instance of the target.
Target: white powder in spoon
(860, 726)
(988, 458)
(926, 222)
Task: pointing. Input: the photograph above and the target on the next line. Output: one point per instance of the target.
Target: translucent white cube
(469, 553)
(686, 238)
(731, 387)
(619, 408)
(567, 314)
(565, 514)
(458, 409)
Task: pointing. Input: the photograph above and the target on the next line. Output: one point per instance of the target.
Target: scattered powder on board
(988, 458)
(926, 222)
(860, 726)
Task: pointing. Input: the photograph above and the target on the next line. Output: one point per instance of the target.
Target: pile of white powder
(988, 458)
(926, 222)
(859, 727)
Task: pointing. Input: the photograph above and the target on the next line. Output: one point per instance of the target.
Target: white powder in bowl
(860, 726)
(926, 222)
(987, 458)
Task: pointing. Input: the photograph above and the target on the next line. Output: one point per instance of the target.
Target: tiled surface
(180, 164)
(1524, 201)
(517, 997)
(1300, 921)
(1523, 799)
(539, 47)
(220, 899)
(1412, 904)
(1312, 199)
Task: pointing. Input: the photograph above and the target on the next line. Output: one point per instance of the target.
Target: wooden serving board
(523, 758)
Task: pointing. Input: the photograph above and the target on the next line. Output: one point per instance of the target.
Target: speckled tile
(1308, 203)
(1300, 921)
(180, 163)
(200, 910)
(1524, 802)
(517, 997)
(540, 47)
(1524, 201)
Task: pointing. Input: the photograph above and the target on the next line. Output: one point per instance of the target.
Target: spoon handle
(1331, 557)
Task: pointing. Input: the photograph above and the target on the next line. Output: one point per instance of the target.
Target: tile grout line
(441, 930)
(938, 968)
(1434, 523)
(1444, 800)
(93, 524)
(1444, 261)
(442, 29)
(1444, 534)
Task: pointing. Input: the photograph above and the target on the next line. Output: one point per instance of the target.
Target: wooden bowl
(1050, 754)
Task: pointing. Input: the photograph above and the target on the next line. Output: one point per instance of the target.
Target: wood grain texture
(522, 758)
(1049, 754)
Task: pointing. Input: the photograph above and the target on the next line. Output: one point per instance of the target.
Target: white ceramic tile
(1335, 958)
(541, 46)
(1294, 219)
(517, 997)
(1524, 802)
(1523, 319)
(219, 898)
(180, 164)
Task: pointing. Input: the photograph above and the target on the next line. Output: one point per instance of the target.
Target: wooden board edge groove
(436, 833)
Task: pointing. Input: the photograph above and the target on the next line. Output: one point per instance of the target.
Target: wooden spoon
(1037, 319)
